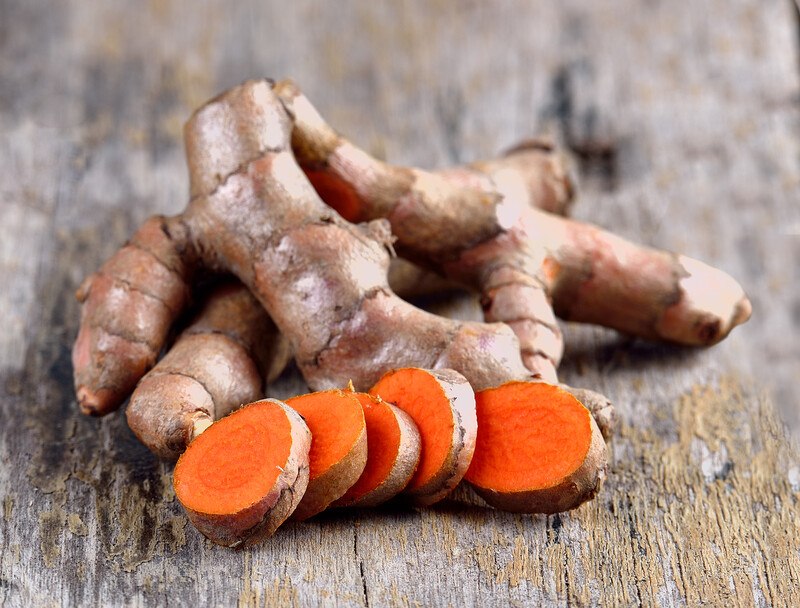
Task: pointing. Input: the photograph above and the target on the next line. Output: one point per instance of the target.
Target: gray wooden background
(684, 120)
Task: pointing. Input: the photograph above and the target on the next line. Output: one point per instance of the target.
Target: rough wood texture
(684, 118)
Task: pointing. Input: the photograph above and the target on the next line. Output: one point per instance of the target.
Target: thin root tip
(717, 330)
(543, 144)
(742, 312)
(94, 403)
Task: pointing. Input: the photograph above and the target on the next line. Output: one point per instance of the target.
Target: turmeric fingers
(485, 228)
(128, 308)
(219, 362)
(321, 279)
(273, 193)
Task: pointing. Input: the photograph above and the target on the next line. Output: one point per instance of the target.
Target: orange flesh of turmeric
(422, 397)
(530, 436)
(383, 443)
(337, 194)
(336, 421)
(235, 462)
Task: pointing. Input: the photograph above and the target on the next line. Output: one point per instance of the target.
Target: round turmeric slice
(442, 405)
(393, 448)
(538, 450)
(338, 447)
(245, 474)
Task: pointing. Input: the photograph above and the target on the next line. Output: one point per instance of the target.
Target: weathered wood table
(684, 119)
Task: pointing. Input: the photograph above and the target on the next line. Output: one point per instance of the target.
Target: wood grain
(683, 119)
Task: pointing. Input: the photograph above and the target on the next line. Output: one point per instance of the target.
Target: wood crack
(360, 560)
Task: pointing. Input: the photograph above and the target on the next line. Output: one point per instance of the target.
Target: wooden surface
(685, 120)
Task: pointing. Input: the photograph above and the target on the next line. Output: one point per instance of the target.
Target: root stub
(442, 404)
(538, 449)
(240, 479)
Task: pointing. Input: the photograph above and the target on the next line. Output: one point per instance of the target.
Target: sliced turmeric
(245, 474)
(442, 404)
(538, 449)
(338, 447)
(393, 450)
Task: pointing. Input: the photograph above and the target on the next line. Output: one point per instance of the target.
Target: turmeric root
(393, 450)
(218, 363)
(481, 229)
(245, 474)
(254, 214)
(338, 447)
(128, 308)
(538, 449)
(442, 404)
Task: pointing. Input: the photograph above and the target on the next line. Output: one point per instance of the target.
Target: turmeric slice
(538, 450)
(338, 447)
(442, 404)
(241, 478)
(393, 449)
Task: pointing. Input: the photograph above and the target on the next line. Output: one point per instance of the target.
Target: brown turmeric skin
(254, 214)
(128, 308)
(484, 227)
(219, 362)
